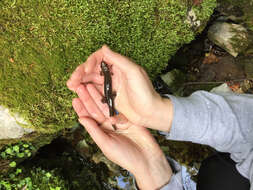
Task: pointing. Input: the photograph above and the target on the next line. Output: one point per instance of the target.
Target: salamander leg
(103, 100)
(114, 94)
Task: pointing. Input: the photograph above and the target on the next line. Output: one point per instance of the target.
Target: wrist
(162, 115)
(154, 177)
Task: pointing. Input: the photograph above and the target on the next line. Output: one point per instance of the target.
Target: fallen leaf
(210, 58)
(235, 87)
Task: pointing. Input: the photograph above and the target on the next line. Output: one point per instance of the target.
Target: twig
(216, 82)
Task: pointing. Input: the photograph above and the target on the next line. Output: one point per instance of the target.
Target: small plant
(13, 164)
(36, 178)
(19, 150)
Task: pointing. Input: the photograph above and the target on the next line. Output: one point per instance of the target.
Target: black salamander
(109, 96)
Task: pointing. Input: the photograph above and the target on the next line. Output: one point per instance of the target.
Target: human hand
(133, 148)
(136, 98)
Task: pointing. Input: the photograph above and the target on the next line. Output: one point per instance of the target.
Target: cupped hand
(136, 98)
(133, 148)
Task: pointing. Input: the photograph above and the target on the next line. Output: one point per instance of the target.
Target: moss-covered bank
(42, 42)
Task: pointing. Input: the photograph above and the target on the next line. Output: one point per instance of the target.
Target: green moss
(203, 12)
(42, 42)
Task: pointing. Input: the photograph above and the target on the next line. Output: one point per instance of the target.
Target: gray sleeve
(222, 121)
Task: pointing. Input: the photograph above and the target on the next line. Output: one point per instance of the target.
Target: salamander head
(104, 66)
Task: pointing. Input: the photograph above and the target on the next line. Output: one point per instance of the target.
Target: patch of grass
(42, 42)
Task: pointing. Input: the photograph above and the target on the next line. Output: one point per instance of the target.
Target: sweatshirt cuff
(175, 183)
(184, 111)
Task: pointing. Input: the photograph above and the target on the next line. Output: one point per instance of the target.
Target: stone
(171, 77)
(223, 88)
(12, 125)
(249, 69)
(231, 37)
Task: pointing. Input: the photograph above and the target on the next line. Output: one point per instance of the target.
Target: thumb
(120, 121)
(120, 61)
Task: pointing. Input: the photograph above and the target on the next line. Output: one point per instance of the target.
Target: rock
(11, 125)
(100, 157)
(246, 62)
(249, 69)
(231, 37)
(174, 80)
(171, 77)
(221, 89)
(226, 69)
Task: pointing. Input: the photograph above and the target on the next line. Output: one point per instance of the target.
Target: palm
(132, 148)
(129, 146)
(135, 94)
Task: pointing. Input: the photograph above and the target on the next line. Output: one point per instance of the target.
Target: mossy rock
(42, 42)
(241, 11)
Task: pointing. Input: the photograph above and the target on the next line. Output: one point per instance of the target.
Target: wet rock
(12, 125)
(248, 67)
(246, 62)
(170, 77)
(227, 68)
(174, 79)
(99, 157)
(231, 37)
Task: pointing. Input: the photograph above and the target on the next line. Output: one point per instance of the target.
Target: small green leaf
(25, 145)
(3, 155)
(16, 148)
(27, 151)
(13, 164)
(18, 171)
(8, 151)
(48, 175)
(12, 176)
(21, 155)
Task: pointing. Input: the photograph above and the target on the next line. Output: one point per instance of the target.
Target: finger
(97, 97)
(79, 108)
(118, 60)
(93, 77)
(100, 88)
(118, 119)
(92, 64)
(89, 104)
(96, 133)
(76, 78)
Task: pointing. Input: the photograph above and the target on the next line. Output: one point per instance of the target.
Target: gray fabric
(222, 121)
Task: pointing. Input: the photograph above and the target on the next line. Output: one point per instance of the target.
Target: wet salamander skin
(108, 87)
